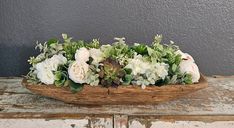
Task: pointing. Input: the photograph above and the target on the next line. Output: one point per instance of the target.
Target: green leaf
(173, 79)
(128, 70)
(178, 59)
(187, 79)
(75, 87)
(60, 78)
(71, 47)
(52, 41)
(140, 49)
(154, 54)
(127, 79)
(174, 67)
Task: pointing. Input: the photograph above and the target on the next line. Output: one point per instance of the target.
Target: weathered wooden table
(212, 107)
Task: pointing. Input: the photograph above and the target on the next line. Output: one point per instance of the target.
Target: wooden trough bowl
(96, 95)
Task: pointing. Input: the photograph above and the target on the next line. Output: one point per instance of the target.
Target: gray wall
(203, 28)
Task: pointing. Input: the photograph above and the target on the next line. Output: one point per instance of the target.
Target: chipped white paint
(183, 124)
(136, 124)
(42, 123)
(120, 121)
(101, 123)
(57, 123)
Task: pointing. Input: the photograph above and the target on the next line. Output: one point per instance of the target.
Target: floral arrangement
(77, 63)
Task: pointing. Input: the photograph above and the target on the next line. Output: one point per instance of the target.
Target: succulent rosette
(78, 63)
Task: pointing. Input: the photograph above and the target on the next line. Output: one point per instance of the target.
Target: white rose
(46, 77)
(55, 61)
(44, 69)
(82, 55)
(185, 56)
(162, 69)
(96, 54)
(40, 66)
(190, 67)
(60, 59)
(44, 74)
(77, 71)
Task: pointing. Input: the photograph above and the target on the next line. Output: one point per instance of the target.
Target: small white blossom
(137, 65)
(82, 55)
(162, 69)
(190, 67)
(120, 40)
(78, 71)
(151, 71)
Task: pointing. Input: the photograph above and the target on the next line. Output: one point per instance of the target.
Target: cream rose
(82, 55)
(96, 54)
(185, 56)
(190, 67)
(77, 71)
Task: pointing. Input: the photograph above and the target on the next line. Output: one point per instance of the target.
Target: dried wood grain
(98, 95)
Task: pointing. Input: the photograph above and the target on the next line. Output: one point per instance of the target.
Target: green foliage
(60, 78)
(140, 49)
(187, 79)
(166, 54)
(92, 77)
(94, 44)
(32, 77)
(52, 41)
(74, 87)
(119, 51)
(119, 48)
(127, 77)
(70, 47)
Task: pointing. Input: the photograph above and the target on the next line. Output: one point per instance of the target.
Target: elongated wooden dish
(96, 95)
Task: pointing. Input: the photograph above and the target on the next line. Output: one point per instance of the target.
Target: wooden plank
(57, 123)
(217, 99)
(181, 122)
(42, 123)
